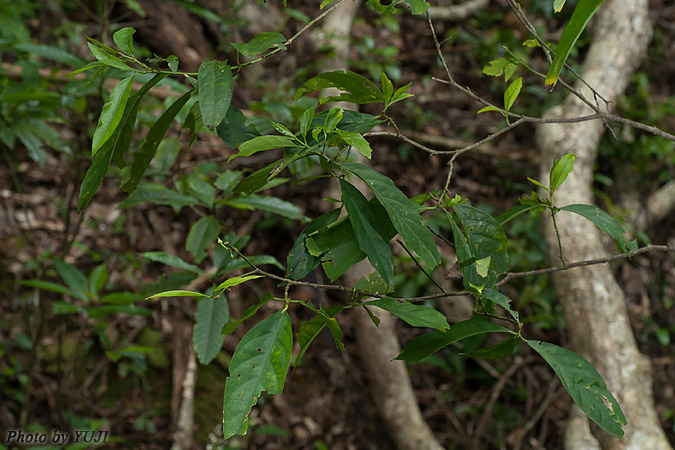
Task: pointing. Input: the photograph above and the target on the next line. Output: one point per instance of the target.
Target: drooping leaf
(515, 212)
(259, 363)
(159, 194)
(412, 314)
(214, 81)
(427, 344)
(211, 315)
(50, 286)
(203, 233)
(112, 113)
(257, 180)
(142, 158)
(486, 237)
(369, 231)
(274, 205)
(50, 52)
(262, 42)
(249, 312)
(501, 300)
(170, 260)
(337, 247)
(583, 12)
(74, 279)
(605, 223)
(358, 89)
(558, 5)
(512, 92)
(357, 141)
(585, 386)
(402, 212)
(559, 172)
(502, 350)
(97, 278)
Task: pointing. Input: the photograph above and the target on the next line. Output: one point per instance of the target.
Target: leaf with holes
(259, 363)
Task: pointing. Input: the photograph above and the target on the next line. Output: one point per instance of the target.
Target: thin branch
(646, 249)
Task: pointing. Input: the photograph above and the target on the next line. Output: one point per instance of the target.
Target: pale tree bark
(593, 302)
(389, 382)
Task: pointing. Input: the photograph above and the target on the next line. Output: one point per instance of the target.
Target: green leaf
(583, 12)
(537, 183)
(357, 141)
(257, 180)
(306, 121)
(502, 350)
(512, 92)
(299, 261)
(201, 189)
(358, 89)
(262, 42)
(171, 260)
(234, 281)
(249, 312)
(427, 344)
(124, 39)
(211, 315)
(112, 113)
(559, 172)
(490, 108)
(50, 52)
(203, 233)
(515, 212)
(418, 6)
(142, 158)
(158, 194)
(604, 222)
(373, 283)
(214, 83)
(558, 5)
(501, 66)
(500, 299)
(262, 143)
(259, 363)
(412, 314)
(369, 231)
(266, 203)
(307, 333)
(49, 286)
(402, 212)
(234, 129)
(97, 278)
(401, 94)
(178, 293)
(337, 247)
(74, 279)
(487, 236)
(585, 386)
(103, 55)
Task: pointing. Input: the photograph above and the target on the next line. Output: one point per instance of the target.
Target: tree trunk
(593, 302)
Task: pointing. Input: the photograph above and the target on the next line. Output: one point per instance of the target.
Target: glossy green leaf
(274, 205)
(262, 42)
(112, 113)
(214, 81)
(402, 212)
(604, 222)
(211, 315)
(299, 261)
(560, 170)
(512, 92)
(142, 158)
(427, 344)
(202, 234)
(171, 260)
(369, 231)
(359, 89)
(262, 143)
(124, 39)
(74, 279)
(235, 281)
(585, 386)
(583, 12)
(259, 363)
(412, 314)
